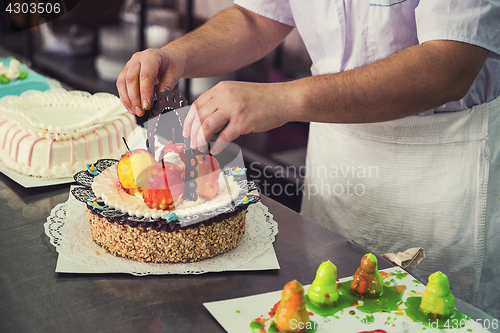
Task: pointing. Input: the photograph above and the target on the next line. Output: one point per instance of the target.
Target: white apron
(422, 181)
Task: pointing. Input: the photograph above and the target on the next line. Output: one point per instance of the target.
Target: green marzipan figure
(437, 300)
(324, 291)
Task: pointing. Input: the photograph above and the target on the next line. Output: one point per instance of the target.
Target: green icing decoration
(387, 302)
(399, 274)
(368, 320)
(310, 327)
(22, 75)
(255, 325)
(437, 298)
(323, 290)
(455, 320)
(4, 79)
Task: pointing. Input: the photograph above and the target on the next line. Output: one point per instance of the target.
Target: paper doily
(73, 240)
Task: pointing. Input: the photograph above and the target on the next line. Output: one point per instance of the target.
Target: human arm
(413, 80)
(230, 40)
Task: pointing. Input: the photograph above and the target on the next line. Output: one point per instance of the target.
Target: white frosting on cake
(12, 71)
(175, 159)
(55, 133)
(107, 186)
(63, 114)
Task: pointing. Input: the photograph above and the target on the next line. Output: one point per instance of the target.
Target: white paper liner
(408, 259)
(67, 229)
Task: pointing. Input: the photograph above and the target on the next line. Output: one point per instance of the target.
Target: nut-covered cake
(137, 209)
(165, 204)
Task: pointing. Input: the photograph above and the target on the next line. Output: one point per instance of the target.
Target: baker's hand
(143, 71)
(233, 109)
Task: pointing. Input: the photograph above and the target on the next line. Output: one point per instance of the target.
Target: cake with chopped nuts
(145, 215)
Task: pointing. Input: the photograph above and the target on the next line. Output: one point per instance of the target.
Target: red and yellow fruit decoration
(162, 183)
(208, 176)
(178, 148)
(131, 167)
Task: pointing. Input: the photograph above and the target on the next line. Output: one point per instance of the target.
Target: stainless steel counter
(36, 299)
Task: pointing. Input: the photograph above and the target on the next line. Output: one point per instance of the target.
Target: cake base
(181, 245)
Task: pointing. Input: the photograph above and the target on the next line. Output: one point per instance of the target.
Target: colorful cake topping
(91, 169)
(239, 171)
(162, 183)
(291, 312)
(162, 186)
(11, 72)
(174, 158)
(170, 216)
(324, 291)
(178, 148)
(131, 168)
(246, 200)
(437, 300)
(208, 176)
(95, 205)
(367, 281)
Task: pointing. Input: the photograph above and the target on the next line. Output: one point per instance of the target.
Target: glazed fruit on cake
(137, 209)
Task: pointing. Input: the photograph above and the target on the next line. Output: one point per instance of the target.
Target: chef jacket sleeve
(278, 10)
(475, 22)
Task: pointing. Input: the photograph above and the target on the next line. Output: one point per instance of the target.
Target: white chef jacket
(435, 178)
(341, 34)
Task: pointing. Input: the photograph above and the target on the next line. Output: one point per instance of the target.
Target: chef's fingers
(193, 112)
(201, 142)
(214, 123)
(195, 128)
(205, 110)
(132, 82)
(227, 135)
(148, 80)
(188, 122)
(165, 82)
(122, 90)
(169, 78)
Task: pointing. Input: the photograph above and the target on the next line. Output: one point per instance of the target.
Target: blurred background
(88, 46)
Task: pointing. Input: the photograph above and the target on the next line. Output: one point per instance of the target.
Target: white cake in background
(57, 132)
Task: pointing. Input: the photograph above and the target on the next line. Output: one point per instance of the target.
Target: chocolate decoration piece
(166, 101)
(190, 175)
